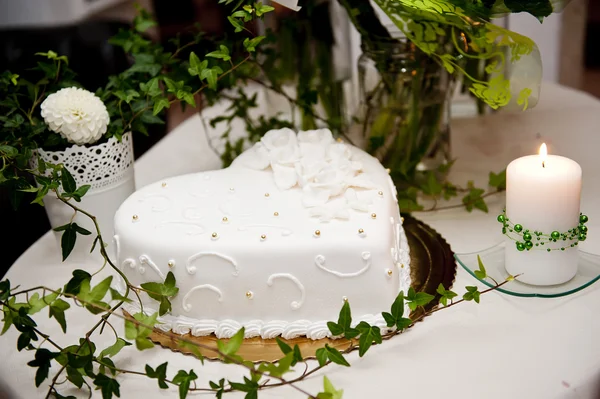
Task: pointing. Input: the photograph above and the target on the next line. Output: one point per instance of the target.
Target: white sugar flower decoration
(76, 114)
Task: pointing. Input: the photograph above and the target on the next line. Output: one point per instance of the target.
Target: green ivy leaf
(285, 348)
(233, 345)
(432, 186)
(160, 103)
(336, 356)
(222, 53)
(395, 318)
(74, 285)
(67, 241)
(193, 349)
(472, 294)
(342, 327)
(140, 332)
(196, 66)
(329, 391)
(160, 374)
(115, 348)
(80, 192)
(57, 310)
(74, 375)
(250, 44)
(368, 335)
(36, 303)
(184, 379)
(92, 298)
(4, 290)
(416, 299)
(116, 296)
(321, 356)
(279, 368)
(498, 181)
(262, 9)
(67, 181)
(474, 200)
(236, 24)
(43, 358)
(211, 75)
(446, 295)
(481, 273)
(108, 386)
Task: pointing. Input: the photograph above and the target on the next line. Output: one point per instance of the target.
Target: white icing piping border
(254, 328)
(187, 306)
(295, 305)
(320, 262)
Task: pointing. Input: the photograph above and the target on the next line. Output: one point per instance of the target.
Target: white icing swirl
(318, 330)
(227, 328)
(253, 328)
(273, 329)
(295, 329)
(182, 327)
(204, 327)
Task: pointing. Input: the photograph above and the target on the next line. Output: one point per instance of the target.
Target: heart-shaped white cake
(275, 243)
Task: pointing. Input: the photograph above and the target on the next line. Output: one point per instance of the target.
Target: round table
(505, 347)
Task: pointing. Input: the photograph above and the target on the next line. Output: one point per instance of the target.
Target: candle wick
(543, 164)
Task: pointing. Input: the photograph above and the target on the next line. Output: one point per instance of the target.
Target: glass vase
(404, 111)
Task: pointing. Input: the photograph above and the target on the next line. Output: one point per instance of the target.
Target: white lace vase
(108, 169)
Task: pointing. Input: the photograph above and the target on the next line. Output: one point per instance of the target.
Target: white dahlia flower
(76, 114)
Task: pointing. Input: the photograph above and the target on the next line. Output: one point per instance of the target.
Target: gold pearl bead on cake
(267, 195)
(215, 236)
(171, 264)
(388, 170)
(249, 294)
(231, 189)
(389, 272)
(339, 140)
(373, 216)
(380, 193)
(402, 266)
(135, 217)
(275, 213)
(317, 233)
(263, 237)
(225, 220)
(164, 184)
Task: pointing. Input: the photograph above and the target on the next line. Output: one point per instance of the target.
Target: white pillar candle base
(539, 267)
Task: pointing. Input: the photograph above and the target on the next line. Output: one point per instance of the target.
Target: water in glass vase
(404, 111)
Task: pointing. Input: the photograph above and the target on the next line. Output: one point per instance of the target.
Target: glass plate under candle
(588, 272)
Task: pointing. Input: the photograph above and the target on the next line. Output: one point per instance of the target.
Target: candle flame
(543, 154)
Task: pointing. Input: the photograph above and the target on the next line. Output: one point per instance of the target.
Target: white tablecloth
(506, 347)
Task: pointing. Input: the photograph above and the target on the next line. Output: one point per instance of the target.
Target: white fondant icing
(326, 187)
(199, 229)
(366, 256)
(192, 213)
(284, 230)
(185, 302)
(145, 260)
(191, 269)
(295, 305)
(156, 199)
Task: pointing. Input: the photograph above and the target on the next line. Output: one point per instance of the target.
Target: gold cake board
(432, 263)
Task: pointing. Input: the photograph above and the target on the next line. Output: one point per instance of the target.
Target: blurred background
(80, 29)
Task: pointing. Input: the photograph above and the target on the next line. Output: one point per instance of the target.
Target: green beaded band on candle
(529, 240)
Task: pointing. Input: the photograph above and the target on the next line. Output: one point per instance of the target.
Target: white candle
(542, 195)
